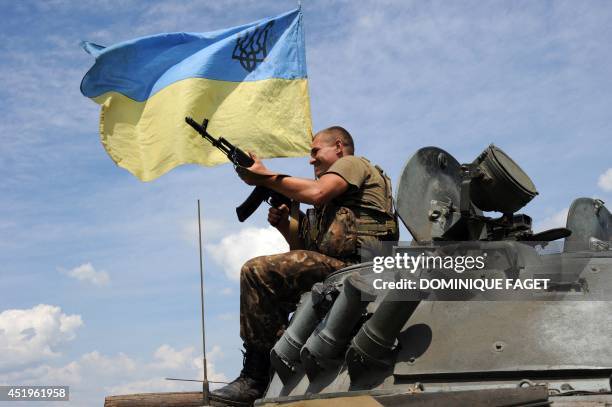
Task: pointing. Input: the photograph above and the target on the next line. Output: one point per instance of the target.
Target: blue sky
(99, 284)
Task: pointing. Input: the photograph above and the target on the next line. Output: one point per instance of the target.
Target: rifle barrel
(202, 130)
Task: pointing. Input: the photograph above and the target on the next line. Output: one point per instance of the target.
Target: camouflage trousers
(270, 288)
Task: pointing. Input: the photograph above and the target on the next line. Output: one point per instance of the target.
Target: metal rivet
(499, 346)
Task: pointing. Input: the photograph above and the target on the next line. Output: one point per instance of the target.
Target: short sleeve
(352, 169)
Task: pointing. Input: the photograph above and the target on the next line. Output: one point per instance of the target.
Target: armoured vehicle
(350, 343)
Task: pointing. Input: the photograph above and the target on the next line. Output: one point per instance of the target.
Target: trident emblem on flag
(251, 49)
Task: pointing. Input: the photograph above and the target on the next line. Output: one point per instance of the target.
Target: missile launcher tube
(328, 342)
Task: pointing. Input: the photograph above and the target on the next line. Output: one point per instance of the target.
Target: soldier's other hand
(278, 217)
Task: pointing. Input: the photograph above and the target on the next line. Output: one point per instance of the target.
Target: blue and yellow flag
(249, 81)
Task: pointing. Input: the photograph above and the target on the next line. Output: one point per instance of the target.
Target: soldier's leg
(270, 287)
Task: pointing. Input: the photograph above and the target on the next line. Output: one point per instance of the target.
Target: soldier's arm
(315, 192)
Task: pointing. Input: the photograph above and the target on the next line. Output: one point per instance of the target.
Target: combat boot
(252, 382)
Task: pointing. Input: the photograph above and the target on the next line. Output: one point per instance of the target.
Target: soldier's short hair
(337, 132)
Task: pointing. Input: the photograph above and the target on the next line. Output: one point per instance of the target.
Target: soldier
(353, 210)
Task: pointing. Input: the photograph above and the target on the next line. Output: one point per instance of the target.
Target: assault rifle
(241, 159)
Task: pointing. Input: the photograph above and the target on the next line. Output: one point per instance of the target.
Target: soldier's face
(324, 151)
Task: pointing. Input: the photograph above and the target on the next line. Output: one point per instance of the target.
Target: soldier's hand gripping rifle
(241, 159)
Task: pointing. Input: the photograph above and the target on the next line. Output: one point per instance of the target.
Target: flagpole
(205, 387)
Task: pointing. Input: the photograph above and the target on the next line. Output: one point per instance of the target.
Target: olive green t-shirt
(367, 187)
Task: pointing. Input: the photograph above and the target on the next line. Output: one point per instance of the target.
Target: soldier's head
(328, 146)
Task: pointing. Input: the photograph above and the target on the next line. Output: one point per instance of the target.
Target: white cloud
(179, 364)
(33, 335)
(227, 291)
(556, 220)
(69, 374)
(234, 250)
(94, 375)
(90, 366)
(108, 366)
(86, 272)
(605, 180)
(212, 356)
(167, 357)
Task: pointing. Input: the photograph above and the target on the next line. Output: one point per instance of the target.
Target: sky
(99, 272)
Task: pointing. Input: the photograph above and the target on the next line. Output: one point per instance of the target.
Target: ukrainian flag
(249, 81)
